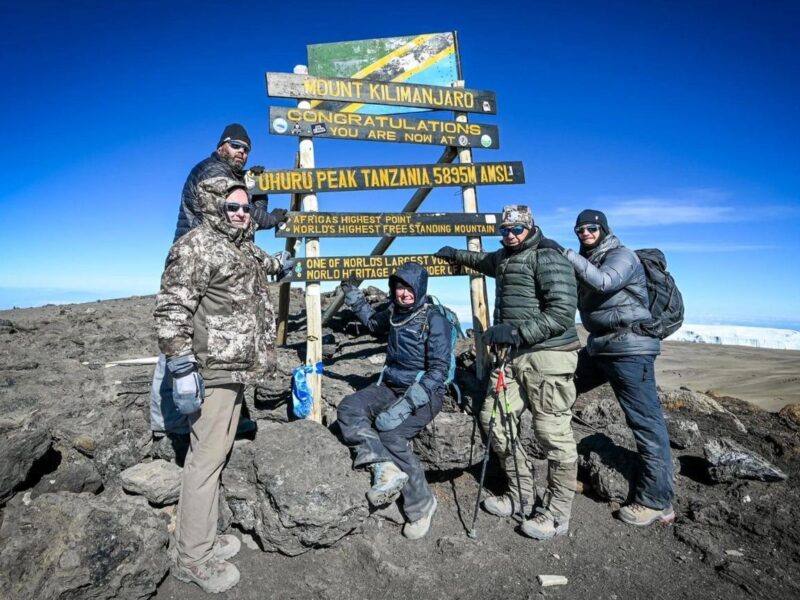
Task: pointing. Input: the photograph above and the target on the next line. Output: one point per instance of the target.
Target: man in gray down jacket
(612, 296)
(534, 318)
(380, 420)
(228, 160)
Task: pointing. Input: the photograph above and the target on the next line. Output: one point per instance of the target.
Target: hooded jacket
(214, 301)
(535, 291)
(612, 295)
(419, 336)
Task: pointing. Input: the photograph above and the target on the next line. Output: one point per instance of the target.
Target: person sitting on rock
(380, 420)
(612, 296)
(216, 328)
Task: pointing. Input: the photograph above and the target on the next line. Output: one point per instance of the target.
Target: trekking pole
(472, 533)
(506, 416)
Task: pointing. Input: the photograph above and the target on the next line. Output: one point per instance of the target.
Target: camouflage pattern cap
(517, 214)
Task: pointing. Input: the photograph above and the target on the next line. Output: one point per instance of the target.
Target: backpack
(665, 300)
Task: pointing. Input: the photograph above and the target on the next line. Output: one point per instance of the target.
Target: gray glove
(414, 397)
(286, 263)
(352, 294)
(188, 389)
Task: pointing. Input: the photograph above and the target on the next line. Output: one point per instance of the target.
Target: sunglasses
(515, 229)
(237, 145)
(589, 228)
(233, 207)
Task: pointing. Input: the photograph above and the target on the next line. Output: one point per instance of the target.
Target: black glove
(256, 169)
(279, 215)
(352, 294)
(551, 244)
(504, 334)
(447, 253)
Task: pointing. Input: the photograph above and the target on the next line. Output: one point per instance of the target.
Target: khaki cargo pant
(212, 434)
(542, 382)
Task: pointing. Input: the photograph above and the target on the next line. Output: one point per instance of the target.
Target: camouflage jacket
(214, 301)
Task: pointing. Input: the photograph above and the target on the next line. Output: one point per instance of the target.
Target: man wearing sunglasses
(216, 327)
(612, 296)
(534, 322)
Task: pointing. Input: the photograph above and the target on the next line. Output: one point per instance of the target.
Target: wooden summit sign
(338, 268)
(380, 128)
(288, 85)
(336, 224)
(343, 179)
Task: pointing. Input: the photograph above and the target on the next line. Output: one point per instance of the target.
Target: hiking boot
(213, 576)
(387, 481)
(636, 514)
(414, 530)
(225, 546)
(544, 527)
(503, 506)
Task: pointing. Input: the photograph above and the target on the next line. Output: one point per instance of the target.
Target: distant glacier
(738, 335)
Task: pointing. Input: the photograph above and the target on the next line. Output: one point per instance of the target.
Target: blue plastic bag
(302, 400)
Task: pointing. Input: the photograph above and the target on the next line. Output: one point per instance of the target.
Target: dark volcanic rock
(451, 441)
(81, 546)
(76, 477)
(300, 492)
(116, 453)
(600, 412)
(729, 460)
(19, 450)
(683, 433)
(611, 469)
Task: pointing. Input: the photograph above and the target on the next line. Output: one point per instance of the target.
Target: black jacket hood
(415, 276)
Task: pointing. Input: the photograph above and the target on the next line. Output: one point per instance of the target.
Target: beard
(234, 163)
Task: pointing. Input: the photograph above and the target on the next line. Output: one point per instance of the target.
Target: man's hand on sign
(256, 170)
(279, 214)
(447, 253)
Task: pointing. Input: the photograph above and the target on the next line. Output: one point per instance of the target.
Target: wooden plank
(339, 268)
(380, 128)
(337, 224)
(343, 179)
(287, 85)
(285, 288)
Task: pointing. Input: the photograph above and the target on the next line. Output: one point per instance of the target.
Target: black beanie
(592, 216)
(234, 131)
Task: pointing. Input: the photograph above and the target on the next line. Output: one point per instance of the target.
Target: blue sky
(679, 119)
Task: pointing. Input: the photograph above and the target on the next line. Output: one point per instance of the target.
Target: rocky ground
(86, 499)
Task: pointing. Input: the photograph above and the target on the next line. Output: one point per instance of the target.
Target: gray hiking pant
(356, 415)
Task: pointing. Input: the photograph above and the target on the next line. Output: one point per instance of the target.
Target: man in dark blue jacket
(380, 420)
(612, 296)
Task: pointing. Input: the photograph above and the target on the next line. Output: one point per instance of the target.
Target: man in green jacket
(534, 322)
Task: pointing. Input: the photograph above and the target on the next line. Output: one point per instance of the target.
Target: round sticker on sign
(280, 125)
(486, 140)
(463, 140)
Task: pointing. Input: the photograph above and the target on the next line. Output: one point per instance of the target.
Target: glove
(551, 244)
(414, 397)
(279, 215)
(504, 334)
(188, 389)
(352, 295)
(286, 263)
(447, 253)
(256, 169)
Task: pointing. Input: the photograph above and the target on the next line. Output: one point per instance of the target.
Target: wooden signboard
(287, 85)
(339, 268)
(380, 128)
(337, 224)
(343, 179)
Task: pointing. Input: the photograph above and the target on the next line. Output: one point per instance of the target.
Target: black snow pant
(357, 413)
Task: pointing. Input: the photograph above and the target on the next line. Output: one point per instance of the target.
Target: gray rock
(158, 481)
(684, 398)
(451, 441)
(600, 412)
(683, 433)
(121, 450)
(19, 450)
(76, 477)
(82, 546)
(299, 491)
(729, 460)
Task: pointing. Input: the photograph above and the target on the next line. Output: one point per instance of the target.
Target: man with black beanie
(612, 296)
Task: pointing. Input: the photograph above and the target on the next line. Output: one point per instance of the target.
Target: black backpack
(665, 301)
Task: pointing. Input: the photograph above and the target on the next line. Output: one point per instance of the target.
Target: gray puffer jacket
(612, 295)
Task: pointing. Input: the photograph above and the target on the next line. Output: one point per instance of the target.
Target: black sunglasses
(591, 228)
(515, 229)
(237, 145)
(233, 207)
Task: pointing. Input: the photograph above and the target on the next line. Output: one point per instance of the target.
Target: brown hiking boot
(225, 546)
(213, 576)
(639, 515)
(414, 530)
(387, 482)
(505, 505)
(544, 527)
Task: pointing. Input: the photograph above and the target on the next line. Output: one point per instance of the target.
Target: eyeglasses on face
(233, 207)
(237, 145)
(515, 229)
(590, 228)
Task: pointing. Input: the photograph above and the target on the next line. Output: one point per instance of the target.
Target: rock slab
(728, 461)
(158, 481)
(19, 450)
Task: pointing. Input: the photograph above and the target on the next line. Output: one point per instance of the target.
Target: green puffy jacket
(536, 291)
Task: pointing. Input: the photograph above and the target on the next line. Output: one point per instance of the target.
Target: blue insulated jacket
(419, 338)
(612, 295)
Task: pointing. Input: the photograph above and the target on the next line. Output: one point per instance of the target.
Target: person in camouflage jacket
(216, 326)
